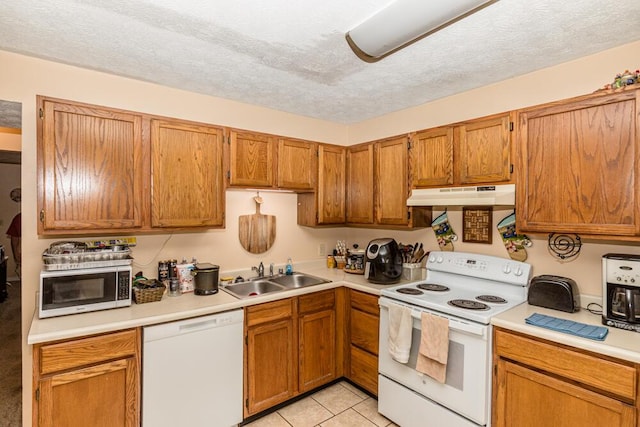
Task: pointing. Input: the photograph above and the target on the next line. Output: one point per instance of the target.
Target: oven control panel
(481, 266)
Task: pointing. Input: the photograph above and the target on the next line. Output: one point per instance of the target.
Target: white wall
(22, 78)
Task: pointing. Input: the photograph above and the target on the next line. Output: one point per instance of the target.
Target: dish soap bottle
(289, 269)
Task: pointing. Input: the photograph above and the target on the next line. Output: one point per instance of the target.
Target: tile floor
(338, 405)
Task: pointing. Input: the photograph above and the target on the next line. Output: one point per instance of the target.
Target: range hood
(483, 195)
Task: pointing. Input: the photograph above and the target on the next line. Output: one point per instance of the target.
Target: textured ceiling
(292, 55)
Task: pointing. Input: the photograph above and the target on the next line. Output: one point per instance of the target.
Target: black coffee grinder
(383, 261)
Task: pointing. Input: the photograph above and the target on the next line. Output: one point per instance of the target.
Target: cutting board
(258, 231)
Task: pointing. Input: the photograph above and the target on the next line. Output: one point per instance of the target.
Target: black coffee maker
(383, 261)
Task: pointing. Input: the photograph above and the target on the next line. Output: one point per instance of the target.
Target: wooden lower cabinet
(540, 383)
(290, 349)
(364, 321)
(88, 381)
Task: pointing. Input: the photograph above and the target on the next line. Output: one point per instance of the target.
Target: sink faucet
(271, 269)
(259, 269)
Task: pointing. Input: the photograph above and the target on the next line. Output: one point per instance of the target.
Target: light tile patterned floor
(340, 405)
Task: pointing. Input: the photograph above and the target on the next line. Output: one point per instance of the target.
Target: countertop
(618, 343)
(185, 306)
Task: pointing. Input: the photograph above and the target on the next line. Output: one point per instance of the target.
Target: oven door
(467, 387)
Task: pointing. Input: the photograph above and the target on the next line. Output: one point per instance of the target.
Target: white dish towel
(400, 327)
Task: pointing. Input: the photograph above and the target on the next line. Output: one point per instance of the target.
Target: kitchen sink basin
(253, 288)
(298, 280)
(264, 285)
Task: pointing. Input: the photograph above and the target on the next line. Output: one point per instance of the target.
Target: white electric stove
(467, 289)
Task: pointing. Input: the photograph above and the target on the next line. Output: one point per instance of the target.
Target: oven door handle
(457, 325)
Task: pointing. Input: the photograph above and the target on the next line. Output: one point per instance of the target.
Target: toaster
(554, 292)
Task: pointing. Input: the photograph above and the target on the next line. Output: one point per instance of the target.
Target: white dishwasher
(192, 372)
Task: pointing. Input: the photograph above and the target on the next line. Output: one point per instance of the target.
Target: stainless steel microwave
(78, 291)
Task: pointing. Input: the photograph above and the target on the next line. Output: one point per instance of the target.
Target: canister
(205, 278)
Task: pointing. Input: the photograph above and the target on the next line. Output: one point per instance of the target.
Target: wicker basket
(141, 295)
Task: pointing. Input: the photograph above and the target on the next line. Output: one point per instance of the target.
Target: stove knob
(439, 260)
(506, 269)
(518, 271)
(432, 258)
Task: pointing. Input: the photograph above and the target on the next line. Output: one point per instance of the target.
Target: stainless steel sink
(298, 280)
(263, 285)
(253, 288)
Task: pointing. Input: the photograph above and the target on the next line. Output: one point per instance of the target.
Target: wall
(10, 139)
(22, 78)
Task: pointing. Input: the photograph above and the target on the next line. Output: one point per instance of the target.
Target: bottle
(289, 269)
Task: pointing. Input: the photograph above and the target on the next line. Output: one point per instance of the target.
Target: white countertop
(618, 343)
(183, 307)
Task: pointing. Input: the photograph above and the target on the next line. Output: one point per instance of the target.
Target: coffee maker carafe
(621, 291)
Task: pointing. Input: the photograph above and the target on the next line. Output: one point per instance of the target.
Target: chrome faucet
(259, 269)
(271, 269)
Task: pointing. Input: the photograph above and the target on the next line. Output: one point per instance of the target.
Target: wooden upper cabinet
(432, 157)
(297, 164)
(252, 159)
(360, 184)
(326, 206)
(187, 184)
(483, 153)
(474, 152)
(91, 167)
(391, 181)
(332, 172)
(578, 166)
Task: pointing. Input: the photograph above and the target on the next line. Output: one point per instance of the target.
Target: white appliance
(192, 372)
(482, 195)
(467, 289)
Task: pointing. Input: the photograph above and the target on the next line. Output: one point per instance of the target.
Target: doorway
(10, 288)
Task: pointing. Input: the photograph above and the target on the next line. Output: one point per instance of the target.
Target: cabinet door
(317, 335)
(271, 365)
(187, 175)
(102, 395)
(360, 184)
(331, 184)
(91, 168)
(252, 159)
(297, 164)
(529, 398)
(432, 157)
(391, 181)
(483, 153)
(578, 166)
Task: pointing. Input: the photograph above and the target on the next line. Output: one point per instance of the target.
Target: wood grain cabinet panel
(364, 323)
(94, 378)
(251, 159)
(360, 184)
(297, 164)
(543, 384)
(579, 161)
(477, 151)
(391, 187)
(187, 185)
(91, 167)
(326, 206)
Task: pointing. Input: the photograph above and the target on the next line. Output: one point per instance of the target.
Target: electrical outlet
(322, 249)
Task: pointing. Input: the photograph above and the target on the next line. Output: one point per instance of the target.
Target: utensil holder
(412, 271)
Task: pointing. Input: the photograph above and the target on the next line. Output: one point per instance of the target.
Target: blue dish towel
(568, 326)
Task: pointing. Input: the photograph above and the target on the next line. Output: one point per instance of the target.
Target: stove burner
(468, 304)
(409, 291)
(433, 287)
(491, 298)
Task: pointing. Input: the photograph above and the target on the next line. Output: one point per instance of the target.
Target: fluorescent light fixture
(404, 22)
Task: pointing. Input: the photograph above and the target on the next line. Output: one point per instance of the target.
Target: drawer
(365, 302)
(323, 300)
(364, 370)
(587, 368)
(364, 331)
(269, 311)
(87, 351)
